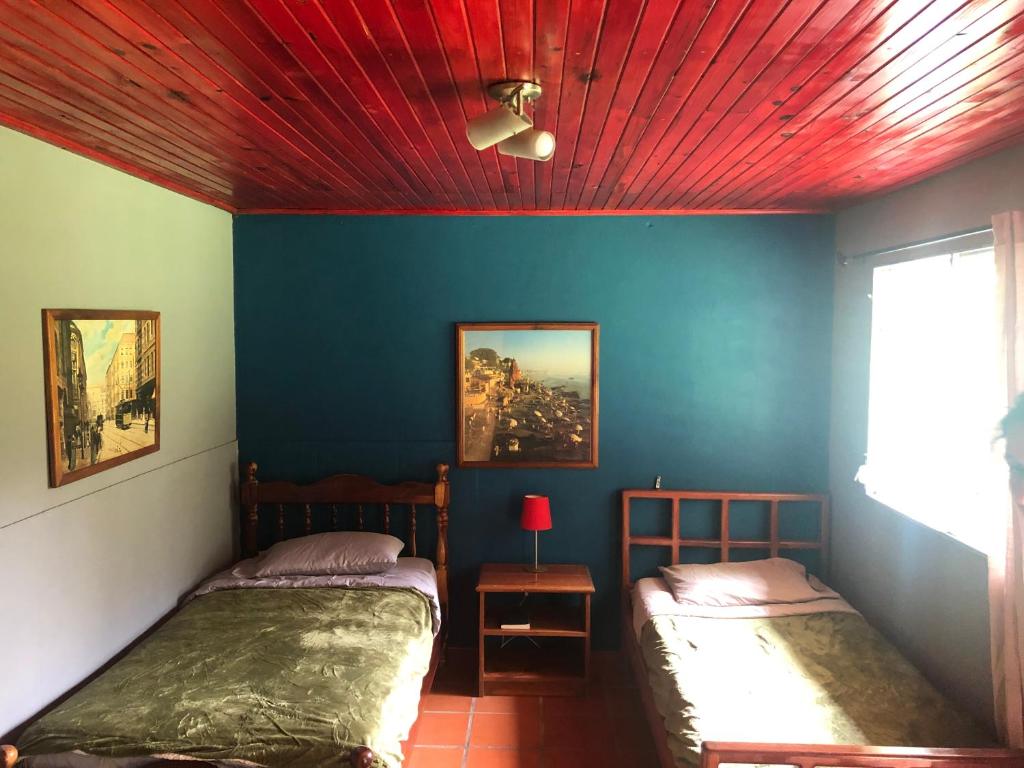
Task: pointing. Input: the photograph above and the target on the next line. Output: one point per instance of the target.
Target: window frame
(951, 245)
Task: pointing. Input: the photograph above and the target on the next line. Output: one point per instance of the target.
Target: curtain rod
(844, 260)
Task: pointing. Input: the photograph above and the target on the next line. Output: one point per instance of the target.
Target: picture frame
(101, 370)
(527, 394)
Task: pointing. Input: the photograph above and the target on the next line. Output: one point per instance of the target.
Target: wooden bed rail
(360, 757)
(717, 753)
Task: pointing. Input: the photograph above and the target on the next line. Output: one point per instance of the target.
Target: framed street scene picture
(102, 376)
(527, 394)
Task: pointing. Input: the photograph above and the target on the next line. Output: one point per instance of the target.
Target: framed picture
(102, 372)
(527, 394)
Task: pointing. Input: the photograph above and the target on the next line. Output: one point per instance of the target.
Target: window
(934, 394)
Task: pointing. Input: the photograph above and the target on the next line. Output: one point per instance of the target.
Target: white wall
(89, 566)
(921, 588)
(955, 201)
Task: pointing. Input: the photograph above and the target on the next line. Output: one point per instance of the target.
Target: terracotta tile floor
(456, 729)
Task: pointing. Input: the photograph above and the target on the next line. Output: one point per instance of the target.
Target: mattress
(272, 676)
(788, 674)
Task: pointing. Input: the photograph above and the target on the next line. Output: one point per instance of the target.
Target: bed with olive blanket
(735, 669)
(821, 678)
(275, 677)
(271, 670)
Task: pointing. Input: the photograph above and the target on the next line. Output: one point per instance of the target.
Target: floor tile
(607, 728)
(636, 729)
(639, 756)
(445, 702)
(635, 743)
(625, 702)
(593, 705)
(435, 757)
(458, 674)
(442, 728)
(508, 704)
(565, 730)
(611, 672)
(505, 730)
(502, 758)
(585, 757)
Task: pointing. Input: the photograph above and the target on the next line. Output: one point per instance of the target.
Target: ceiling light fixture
(531, 144)
(509, 127)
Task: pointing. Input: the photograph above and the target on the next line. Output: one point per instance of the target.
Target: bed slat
(412, 528)
(774, 532)
(675, 531)
(724, 544)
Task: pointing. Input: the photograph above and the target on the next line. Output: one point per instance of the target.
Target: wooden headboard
(337, 493)
(724, 543)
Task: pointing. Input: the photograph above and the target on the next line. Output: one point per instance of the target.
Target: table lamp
(536, 517)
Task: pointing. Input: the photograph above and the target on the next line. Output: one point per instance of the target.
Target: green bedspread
(824, 678)
(281, 677)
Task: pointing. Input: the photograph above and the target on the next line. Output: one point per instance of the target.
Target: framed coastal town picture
(527, 394)
(102, 374)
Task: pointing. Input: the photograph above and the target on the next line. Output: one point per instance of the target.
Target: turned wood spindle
(280, 522)
(412, 528)
(251, 508)
(308, 520)
(442, 497)
(387, 518)
(360, 517)
(334, 517)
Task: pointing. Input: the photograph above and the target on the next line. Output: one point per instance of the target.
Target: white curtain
(1006, 561)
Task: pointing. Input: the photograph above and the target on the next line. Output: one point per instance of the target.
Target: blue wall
(715, 359)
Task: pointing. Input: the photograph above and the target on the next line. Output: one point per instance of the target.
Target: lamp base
(536, 567)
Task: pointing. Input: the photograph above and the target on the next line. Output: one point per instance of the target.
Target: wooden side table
(552, 657)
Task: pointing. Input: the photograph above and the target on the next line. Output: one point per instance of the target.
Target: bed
(280, 660)
(786, 681)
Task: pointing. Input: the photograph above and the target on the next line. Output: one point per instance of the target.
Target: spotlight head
(530, 144)
(497, 125)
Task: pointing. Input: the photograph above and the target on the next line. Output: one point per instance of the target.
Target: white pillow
(754, 582)
(338, 552)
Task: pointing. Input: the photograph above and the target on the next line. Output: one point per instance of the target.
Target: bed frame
(714, 754)
(333, 500)
(355, 493)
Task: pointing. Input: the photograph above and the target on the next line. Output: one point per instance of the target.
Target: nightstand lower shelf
(521, 668)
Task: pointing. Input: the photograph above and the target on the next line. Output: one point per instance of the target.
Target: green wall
(715, 348)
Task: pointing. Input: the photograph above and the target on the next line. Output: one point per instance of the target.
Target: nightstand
(552, 657)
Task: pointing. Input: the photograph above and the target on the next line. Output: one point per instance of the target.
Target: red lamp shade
(536, 513)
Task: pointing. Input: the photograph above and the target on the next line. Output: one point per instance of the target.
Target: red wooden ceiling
(361, 105)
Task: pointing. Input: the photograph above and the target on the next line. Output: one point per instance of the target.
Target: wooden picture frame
(527, 394)
(101, 372)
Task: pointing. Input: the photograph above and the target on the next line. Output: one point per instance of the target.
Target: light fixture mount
(507, 91)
